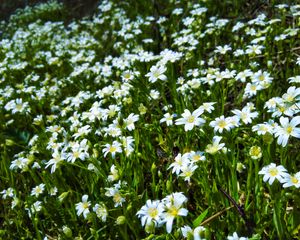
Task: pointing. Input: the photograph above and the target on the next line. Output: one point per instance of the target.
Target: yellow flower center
(127, 75)
(76, 154)
(19, 107)
(273, 172)
(261, 78)
(156, 74)
(263, 128)
(222, 124)
(85, 205)
(191, 119)
(281, 109)
(294, 180)
(117, 198)
(153, 212)
(289, 129)
(112, 149)
(173, 211)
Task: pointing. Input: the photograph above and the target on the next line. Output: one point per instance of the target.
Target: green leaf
(199, 219)
(278, 221)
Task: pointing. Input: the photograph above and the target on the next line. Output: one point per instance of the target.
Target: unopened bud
(121, 220)
(67, 231)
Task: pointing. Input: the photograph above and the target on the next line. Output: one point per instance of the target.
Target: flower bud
(67, 231)
(121, 220)
(240, 167)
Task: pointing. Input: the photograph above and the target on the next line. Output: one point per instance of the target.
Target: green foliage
(188, 110)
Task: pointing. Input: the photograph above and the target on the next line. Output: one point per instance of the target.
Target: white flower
(215, 146)
(8, 193)
(295, 79)
(83, 207)
(114, 192)
(57, 158)
(112, 148)
(130, 120)
(128, 144)
(36, 191)
(188, 232)
(36, 207)
(219, 124)
(245, 115)
(262, 128)
(207, 106)
(101, 211)
(173, 209)
(187, 171)
(223, 49)
(236, 237)
(168, 118)
(79, 150)
(114, 174)
(251, 89)
(180, 162)
(196, 156)
(254, 49)
(189, 120)
(272, 172)
(151, 212)
(291, 95)
(291, 180)
(82, 131)
(157, 73)
(287, 129)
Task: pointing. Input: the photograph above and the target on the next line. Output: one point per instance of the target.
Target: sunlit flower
(173, 209)
(83, 207)
(196, 156)
(79, 150)
(82, 131)
(189, 120)
(208, 107)
(246, 116)
(113, 148)
(215, 146)
(219, 124)
(128, 144)
(57, 158)
(168, 119)
(287, 129)
(115, 193)
(179, 163)
(151, 212)
(36, 191)
(262, 128)
(157, 73)
(236, 237)
(130, 120)
(272, 172)
(291, 180)
(195, 234)
(114, 174)
(255, 152)
(101, 211)
(187, 171)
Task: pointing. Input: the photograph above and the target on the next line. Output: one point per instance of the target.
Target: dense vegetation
(151, 120)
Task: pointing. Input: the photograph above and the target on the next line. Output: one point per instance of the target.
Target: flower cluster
(100, 115)
(159, 212)
(272, 172)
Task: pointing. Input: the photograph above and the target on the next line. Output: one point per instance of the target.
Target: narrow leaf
(200, 218)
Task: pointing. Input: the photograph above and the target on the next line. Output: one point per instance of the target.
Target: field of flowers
(151, 120)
